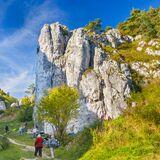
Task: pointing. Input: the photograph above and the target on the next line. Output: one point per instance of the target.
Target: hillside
(6, 98)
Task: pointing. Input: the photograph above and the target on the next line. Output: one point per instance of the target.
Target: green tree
(148, 27)
(145, 23)
(59, 106)
(30, 90)
(26, 110)
(94, 26)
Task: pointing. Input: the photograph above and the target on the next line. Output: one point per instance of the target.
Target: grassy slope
(14, 153)
(13, 127)
(135, 135)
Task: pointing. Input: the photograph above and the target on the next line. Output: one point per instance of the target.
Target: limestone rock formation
(71, 57)
(115, 38)
(151, 70)
(2, 105)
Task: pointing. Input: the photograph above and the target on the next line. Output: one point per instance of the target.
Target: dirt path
(26, 148)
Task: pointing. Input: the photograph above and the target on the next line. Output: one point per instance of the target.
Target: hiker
(38, 145)
(34, 132)
(6, 128)
(51, 143)
(21, 130)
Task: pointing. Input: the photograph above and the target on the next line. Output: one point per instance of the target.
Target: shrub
(4, 143)
(1, 112)
(25, 114)
(94, 26)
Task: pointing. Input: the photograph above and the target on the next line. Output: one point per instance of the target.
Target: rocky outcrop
(115, 38)
(77, 57)
(2, 105)
(150, 70)
(72, 58)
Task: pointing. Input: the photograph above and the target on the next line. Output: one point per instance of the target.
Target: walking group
(41, 139)
(51, 142)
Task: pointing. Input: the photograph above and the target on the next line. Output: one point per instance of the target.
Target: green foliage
(93, 26)
(87, 71)
(25, 113)
(108, 49)
(137, 80)
(11, 111)
(79, 144)
(58, 107)
(4, 143)
(7, 98)
(15, 153)
(108, 28)
(128, 52)
(27, 101)
(141, 22)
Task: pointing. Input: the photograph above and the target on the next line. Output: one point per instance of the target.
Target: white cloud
(15, 83)
(17, 50)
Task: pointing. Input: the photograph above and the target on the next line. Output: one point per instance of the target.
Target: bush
(11, 111)
(4, 143)
(25, 114)
(94, 26)
(1, 112)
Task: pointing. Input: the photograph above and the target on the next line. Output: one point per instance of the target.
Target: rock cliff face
(72, 57)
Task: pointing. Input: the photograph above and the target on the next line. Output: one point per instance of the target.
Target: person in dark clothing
(6, 128)
(38, 145)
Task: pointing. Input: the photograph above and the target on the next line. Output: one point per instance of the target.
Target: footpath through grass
(15, 152)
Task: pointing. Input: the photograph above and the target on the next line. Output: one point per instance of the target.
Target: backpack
(54, 143)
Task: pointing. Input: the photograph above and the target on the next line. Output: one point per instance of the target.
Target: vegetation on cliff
(6, 98)
(141, 22)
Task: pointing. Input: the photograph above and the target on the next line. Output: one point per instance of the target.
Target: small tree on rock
(58, 106)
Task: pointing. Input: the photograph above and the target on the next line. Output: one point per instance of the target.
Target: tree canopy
(144, 23)
(58, 106)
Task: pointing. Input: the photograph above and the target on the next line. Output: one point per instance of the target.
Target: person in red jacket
(38, 145)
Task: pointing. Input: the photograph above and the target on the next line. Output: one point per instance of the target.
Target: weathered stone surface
(78, 57)
(115, 38)
(147, 69)
(117, 87)
(91, 92)
(99, 58)
(153, 52)
(14, 105)
(138, 37)
(53, 40)
(2, 105)
(74, 59)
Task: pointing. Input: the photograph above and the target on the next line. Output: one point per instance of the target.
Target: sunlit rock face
(72, 58)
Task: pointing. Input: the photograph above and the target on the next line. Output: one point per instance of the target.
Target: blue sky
(21, 20)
